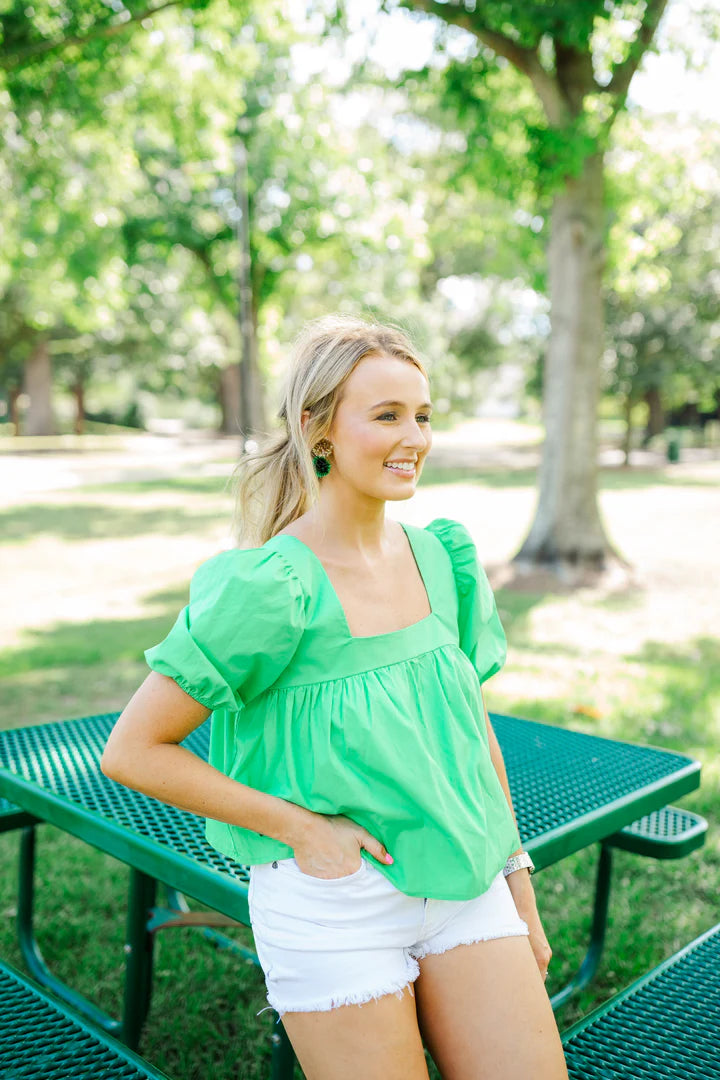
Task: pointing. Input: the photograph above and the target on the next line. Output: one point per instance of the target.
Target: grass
(628, 675)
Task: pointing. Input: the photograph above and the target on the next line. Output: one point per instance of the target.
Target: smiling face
(381, 429)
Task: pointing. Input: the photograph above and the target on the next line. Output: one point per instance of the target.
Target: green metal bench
(664, 1026)
(669, 833)
(41, 1039)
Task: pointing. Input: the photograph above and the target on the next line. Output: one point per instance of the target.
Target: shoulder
(460, 549)
(455, 539)
(261, 575)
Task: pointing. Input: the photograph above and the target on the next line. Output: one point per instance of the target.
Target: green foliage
(575, 59)
(663, 305)
(555, 154)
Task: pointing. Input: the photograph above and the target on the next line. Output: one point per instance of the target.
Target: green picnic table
(570, 791)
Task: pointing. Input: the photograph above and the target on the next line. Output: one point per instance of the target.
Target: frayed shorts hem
(335, 1001)
(420, 952)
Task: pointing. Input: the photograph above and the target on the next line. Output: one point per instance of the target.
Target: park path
(30, 467)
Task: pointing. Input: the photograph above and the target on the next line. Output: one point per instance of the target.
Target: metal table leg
(138, 950)
(139, 957)
(591, 960)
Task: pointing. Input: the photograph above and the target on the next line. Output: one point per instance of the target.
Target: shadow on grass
(99, 641)
(685, 684)
(610, 478)
(675, 707)
(515, 608)
(83, 522)
(197, 485)
(434, 475)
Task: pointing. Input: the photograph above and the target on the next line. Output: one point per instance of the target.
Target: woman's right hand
(331, 848)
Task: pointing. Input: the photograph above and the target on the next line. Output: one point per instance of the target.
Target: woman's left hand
(524, 896)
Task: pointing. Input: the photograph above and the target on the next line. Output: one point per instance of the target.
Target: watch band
(519, 862)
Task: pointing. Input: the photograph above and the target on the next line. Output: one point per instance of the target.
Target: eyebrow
(425, 405)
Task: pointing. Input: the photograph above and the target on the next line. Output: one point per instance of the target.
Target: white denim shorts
(342, 941)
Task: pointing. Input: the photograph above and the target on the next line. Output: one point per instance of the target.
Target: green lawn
(99, 573)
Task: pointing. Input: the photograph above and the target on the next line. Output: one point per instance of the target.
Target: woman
(352, 763)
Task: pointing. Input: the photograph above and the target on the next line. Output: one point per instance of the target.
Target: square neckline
(341, 610)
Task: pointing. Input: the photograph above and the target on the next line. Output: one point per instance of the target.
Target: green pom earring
(320, 454)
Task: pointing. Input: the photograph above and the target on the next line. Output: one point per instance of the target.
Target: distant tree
(663, 300)
(577, 59)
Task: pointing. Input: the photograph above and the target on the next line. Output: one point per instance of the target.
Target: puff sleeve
(240, 629)
(481, 634)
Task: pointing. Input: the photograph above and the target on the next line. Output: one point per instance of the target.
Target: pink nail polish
(389, 859)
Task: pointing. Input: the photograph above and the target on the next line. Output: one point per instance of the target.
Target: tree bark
(229, 399)
(257, 394)
(656, 413)
(567, 529)
(627, 438)
(14, 409)
(38, 386)
(79, 395)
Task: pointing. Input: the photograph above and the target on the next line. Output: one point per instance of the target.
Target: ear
(304, 417)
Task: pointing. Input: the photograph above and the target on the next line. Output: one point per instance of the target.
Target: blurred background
(532, 192)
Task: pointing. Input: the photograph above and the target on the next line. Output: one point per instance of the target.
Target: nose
(417, 436)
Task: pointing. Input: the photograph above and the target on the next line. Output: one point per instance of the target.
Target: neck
(346, 521)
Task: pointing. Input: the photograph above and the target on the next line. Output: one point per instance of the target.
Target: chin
(402, 495)
(396, 493)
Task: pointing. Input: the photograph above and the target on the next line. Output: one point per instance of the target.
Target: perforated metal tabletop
(569, 790)
(53, 771)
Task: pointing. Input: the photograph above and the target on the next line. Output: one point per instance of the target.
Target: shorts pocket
(290, 865)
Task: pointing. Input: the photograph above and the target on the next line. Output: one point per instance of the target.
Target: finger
(376, 848)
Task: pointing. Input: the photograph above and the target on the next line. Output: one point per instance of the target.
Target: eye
(392, 416)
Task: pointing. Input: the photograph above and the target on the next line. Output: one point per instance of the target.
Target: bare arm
(142, 753)
(498, 762)
(519, 882)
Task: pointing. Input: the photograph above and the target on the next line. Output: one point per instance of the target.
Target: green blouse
(388, 730)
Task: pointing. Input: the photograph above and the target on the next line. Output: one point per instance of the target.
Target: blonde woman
(352, 762)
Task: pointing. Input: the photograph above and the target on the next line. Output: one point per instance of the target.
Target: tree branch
(525, 59)
(622, 73)
(33, 53)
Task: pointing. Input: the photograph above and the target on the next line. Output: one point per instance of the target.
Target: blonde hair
(276, 483)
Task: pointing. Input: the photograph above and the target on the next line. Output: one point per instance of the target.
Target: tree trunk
(38, 386)
(627, 440)
(13, 408)
(79, 395)
(230, 388)
(229, 399)
(656, 414)
(257, 389)
(567, 530)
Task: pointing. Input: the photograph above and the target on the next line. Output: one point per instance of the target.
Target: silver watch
(519, 862)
